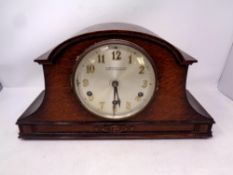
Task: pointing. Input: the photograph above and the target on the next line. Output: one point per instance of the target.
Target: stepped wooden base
(42, 129)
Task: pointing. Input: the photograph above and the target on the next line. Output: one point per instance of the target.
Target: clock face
(114, 79)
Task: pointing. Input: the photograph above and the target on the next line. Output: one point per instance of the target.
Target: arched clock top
(115, 30)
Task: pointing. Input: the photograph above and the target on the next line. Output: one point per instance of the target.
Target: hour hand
(116, 99)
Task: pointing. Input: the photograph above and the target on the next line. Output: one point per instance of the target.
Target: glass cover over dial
(114, 79)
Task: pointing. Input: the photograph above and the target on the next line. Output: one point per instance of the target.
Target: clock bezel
(122, 42)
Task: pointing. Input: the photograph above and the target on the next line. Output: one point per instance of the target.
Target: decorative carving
(114, 128)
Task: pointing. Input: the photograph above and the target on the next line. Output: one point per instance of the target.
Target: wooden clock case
(173, 113)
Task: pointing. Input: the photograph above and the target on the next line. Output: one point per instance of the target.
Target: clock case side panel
(108, 129)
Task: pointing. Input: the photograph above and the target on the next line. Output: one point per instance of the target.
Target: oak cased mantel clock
(115, 81)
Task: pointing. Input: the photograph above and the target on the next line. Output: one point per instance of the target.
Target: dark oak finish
(173, 113)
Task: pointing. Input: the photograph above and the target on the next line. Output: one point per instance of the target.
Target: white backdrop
(225, 82)
(202, 28)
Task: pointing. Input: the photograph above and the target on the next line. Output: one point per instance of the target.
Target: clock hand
(114, 102)
(116, 97)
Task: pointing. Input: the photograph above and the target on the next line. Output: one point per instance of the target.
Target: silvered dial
(114, 79)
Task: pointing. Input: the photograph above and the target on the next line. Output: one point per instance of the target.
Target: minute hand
(116, 95)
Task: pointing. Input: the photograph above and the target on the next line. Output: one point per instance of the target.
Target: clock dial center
(115, 83)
